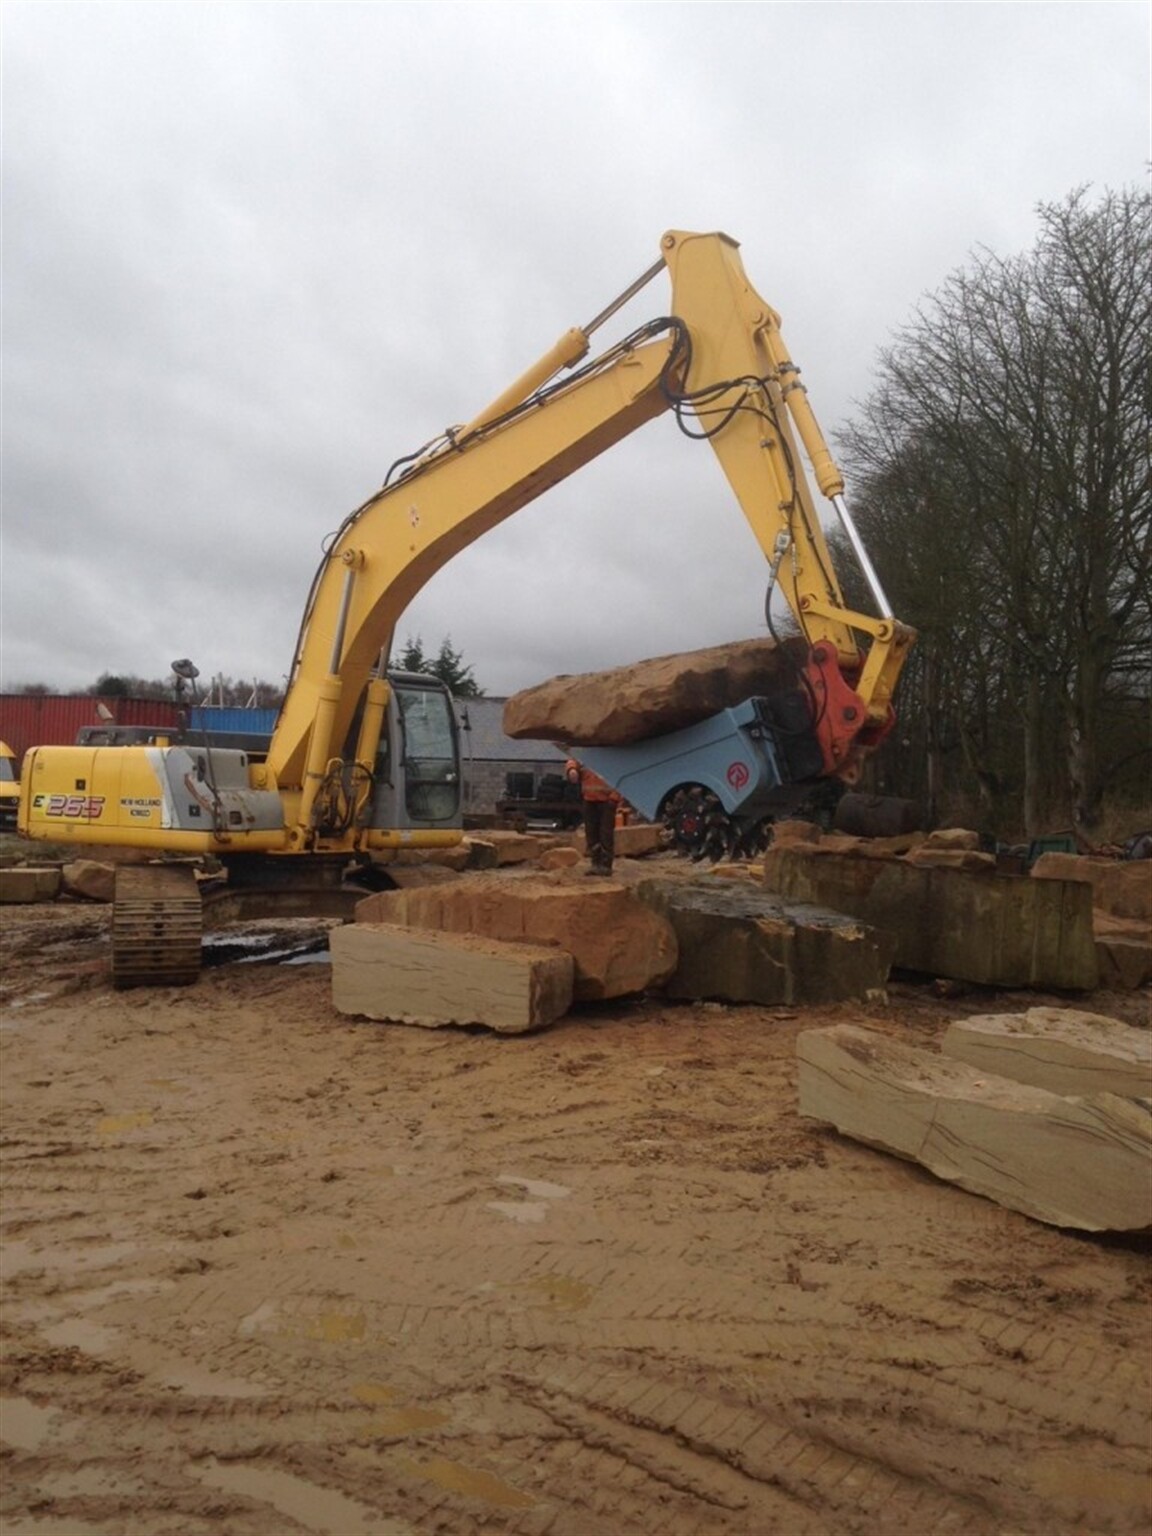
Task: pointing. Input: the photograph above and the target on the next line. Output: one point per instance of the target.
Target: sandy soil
(271, 1270)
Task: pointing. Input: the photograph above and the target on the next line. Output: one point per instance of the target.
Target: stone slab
(411, 976)
(982, 927)
(795, 830)
(634, 841)
(1120, 887)
(931, 857)
(1061, 1049)
(737, 943)
(1084, 1163)
(559, 858)
(513, 847)
(89, 879)
(651, 697)
(619, 945)
(21, 884)
(1124, 954)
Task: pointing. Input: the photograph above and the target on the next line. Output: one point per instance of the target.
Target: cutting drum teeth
(696, 826)
(156, 926)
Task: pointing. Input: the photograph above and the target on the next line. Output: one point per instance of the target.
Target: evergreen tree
(448, 665)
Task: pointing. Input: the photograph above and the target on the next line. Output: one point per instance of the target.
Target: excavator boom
(719, 362)
(364, 762)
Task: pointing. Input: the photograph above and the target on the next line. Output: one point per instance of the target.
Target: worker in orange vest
(600, 802)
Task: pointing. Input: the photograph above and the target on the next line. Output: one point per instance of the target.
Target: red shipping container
(53, 719)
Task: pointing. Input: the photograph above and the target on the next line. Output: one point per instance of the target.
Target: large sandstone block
(1120, 887)
(742, 945)
(21, 884)
(649, 698)
(511, 847)
(983, 927)
(559, 858)
(1071, 1162)
(412, 976)
(89, 879)
(618, 944)
(1061, 1049)
(1124, 952)
(952, 858)
(633, 841)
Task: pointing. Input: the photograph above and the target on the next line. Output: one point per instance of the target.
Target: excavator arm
(717, 361)
(363, 761)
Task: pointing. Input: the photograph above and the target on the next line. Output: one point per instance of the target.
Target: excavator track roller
(156, 926)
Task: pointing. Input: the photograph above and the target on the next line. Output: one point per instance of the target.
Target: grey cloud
(254, 253)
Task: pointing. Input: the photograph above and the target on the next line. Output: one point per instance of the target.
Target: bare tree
(1005, 477)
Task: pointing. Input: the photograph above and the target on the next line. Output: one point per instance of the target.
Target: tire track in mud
(716, 1454)
(739, 1458)
(596, 1284)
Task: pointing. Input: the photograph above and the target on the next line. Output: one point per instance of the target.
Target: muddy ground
(267, 1269)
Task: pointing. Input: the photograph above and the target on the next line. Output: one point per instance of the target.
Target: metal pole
(857, 543)
(629, 293)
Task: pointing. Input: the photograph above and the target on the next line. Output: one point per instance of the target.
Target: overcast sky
(253, 253)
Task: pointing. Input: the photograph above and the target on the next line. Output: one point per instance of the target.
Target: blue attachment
(733, 754)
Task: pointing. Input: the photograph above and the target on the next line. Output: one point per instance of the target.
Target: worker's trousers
(599, 832)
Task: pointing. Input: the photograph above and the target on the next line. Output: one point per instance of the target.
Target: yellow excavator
(363, 762)
(9, 787)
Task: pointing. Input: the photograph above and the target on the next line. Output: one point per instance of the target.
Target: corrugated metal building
(55, 719)
(232, 718)
(487, 756)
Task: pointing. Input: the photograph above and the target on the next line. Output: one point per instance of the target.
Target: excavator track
(156, 926)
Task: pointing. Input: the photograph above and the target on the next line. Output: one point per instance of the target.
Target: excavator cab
(417, 769)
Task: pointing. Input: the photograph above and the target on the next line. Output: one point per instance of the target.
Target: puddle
(518, 1210)
(534, 1209)
(78, 1333)
(373, 1393)
(1053, 1477)
(336, 1327)
(321, 1327)
(22, 1002)
(407, 1421)
(20, 1257)
(118, 1125)
(266, 946)
(262, 1320)
(15, 1525)
(470, 1481)
(315, 1509)
(24, 1425)
(90, 1482)
(539, 1189)
(208, 1384)
(560, 1292)
(75, 1258)
(97, 1256)
(118, 1289)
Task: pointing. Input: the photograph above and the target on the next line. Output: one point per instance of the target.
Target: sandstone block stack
(951, 913)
